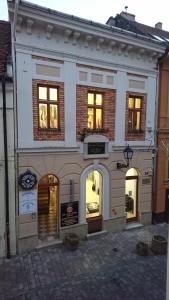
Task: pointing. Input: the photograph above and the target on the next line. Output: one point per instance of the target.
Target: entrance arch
(131, 194)
(101, 172)
(48, 208)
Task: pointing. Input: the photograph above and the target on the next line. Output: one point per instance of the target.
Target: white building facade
(84, 92)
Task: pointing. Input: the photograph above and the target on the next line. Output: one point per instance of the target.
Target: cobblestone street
(106, 267)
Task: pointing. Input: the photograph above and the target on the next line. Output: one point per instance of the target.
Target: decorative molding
(141, 53)
(88, 39)
(49, 29)
(67, 34)
(100, 41)
(76, 35)
(110, 46)
(128, 49)
(19, 24)
(29, 24)
(121, 47)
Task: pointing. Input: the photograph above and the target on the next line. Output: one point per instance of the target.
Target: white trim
(106, 194)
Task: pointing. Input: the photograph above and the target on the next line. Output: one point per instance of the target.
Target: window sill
(91, 156)
(135, 132)
(48, 130)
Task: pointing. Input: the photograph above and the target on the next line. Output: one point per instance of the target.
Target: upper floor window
(48, 107)
(134, 113)
(95, 110)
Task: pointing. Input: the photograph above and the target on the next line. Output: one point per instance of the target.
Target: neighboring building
(7, 168)
(161, 199)
(84, 92)
(161, 180)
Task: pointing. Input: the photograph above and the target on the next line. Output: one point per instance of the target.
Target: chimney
(127, 16)
(158, 25)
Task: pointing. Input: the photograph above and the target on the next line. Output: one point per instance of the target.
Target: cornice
(74, 28)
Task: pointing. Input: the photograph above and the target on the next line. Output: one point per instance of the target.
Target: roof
(131, 25)
(5, 44)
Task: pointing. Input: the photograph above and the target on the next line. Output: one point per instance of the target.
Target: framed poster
(27, 202)
(69, 213)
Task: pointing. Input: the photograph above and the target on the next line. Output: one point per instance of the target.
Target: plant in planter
(159, 244)
(71, 241)
(142, 248)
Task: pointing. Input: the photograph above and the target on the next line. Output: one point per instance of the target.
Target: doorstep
(49, 243)
(133, 225)
(90, 236)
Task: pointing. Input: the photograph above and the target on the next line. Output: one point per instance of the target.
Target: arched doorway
(104, 193)
(94, 201)
(131, 194)
(48, 208)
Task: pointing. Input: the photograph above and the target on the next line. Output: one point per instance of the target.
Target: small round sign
(27, 180)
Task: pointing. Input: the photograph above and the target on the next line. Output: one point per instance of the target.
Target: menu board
(69, 213)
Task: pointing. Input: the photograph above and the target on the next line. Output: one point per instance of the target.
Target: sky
(148, 12)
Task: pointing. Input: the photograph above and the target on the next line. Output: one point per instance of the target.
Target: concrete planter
(71, 241)
(159, 245)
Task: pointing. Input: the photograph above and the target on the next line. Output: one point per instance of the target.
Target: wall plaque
(27, 202)
(96, 148)
(146, 181)
(69, 213)
(27, 180)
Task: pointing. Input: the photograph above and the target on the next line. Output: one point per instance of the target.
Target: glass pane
(93, 194)
(98, 118)
(131, 198)
(43, 116)
(90, 121)
(53, 94)
(132, 172)
(98, 99)
(53, 116)
(130, 120)
(42, 93)
(137, 103)
(90, 98)
(138, 121)
(130, 103)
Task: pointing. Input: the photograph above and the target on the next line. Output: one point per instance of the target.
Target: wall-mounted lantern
(128, 154)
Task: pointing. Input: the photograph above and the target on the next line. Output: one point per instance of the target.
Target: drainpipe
(15, 17)
(3, 78)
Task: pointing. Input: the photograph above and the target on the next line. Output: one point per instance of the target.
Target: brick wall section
(47, 59)
(129, 136)
(47, 134)
(5, 44)
(109, 98)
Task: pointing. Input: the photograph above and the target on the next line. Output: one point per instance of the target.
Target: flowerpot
(142, 248)
(71, 241)
(159, 244)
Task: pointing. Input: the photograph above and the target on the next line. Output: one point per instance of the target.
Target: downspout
(6, 167)
(13, 38)
(15, 17)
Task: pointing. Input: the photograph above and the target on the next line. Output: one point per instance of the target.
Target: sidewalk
(106, 267)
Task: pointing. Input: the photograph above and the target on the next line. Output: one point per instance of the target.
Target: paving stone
(103, 268)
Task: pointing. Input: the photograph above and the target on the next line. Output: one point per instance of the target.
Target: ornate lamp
(128, 154)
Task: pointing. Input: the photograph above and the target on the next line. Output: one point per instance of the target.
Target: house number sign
(27, 180)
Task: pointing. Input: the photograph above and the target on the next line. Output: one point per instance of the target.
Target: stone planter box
(142, 248)
(71, 241)
(159, 245)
